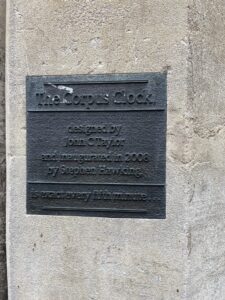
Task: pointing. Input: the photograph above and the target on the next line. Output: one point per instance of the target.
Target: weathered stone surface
(206, 207)
(3, 283)
(96, 258)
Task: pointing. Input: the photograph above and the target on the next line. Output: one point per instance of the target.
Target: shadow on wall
(3, 278)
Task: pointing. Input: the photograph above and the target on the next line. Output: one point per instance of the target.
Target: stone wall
(58, 257)
(206, 122)
(2, 153)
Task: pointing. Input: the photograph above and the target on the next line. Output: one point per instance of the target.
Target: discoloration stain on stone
(189, 242)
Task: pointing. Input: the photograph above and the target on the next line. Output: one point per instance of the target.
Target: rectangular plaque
(96, 145)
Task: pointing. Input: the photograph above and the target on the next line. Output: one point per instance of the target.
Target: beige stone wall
(2, 153)
(206, 206)
(56, 258)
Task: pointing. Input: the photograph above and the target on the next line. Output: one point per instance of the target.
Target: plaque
(96, 145)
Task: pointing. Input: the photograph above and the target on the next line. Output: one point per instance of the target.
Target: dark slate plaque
(96, 145)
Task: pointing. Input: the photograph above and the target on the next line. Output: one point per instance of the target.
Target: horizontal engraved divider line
(95, 183)
(95, 110)
(97, 82)
(122, 210)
